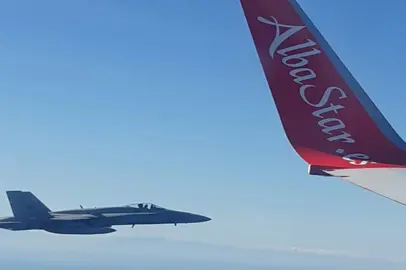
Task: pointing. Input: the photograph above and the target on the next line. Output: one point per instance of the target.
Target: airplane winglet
(326, 115)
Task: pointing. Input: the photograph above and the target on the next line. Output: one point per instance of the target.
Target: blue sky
(113, 102)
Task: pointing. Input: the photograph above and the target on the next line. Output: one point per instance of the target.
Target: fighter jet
(31, 214)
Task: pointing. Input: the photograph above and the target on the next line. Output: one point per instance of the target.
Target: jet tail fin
(26, 205)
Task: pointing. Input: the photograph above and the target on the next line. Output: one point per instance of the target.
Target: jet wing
(72, 217)
(327, 117)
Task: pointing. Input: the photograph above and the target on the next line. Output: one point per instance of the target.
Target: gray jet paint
(31, 214)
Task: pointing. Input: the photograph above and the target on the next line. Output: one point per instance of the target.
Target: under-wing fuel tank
(81, 230)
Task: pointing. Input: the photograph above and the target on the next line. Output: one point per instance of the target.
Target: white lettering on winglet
(297, 57)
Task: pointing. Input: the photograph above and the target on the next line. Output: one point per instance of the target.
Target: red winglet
(327, 117)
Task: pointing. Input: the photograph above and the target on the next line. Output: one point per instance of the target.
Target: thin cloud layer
(41, 247)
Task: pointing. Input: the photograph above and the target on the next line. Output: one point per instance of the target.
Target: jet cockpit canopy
(148, 206)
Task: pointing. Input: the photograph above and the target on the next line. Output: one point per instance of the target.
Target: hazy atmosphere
(114, 102)
(42, 251)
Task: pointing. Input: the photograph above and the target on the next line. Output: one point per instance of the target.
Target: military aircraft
(31, 214)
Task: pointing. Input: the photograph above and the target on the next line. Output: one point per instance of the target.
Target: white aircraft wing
(387, 182)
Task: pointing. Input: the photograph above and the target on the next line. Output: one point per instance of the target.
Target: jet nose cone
(193, 218)
(204, 219)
